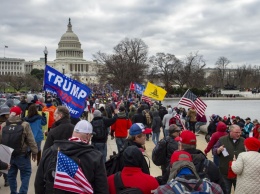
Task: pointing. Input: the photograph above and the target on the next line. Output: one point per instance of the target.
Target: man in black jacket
(204, 167)
(61, 129)
(172, 145)
(100, 128)
(76, 148)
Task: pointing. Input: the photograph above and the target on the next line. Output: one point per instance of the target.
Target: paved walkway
(155, 170)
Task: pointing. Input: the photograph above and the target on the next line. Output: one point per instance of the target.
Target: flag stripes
(69, 176)
(189, 99)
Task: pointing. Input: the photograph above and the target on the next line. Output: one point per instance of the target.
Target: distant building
(69, 59)
(14, 66)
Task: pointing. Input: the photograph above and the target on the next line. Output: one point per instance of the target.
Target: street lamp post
(45, 61)
(63, 69)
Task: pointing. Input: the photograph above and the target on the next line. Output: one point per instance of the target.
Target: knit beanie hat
(97, 113)
(252, 144)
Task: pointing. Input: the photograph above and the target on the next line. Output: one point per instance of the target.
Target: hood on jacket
(221, 127)
(155, 114)
(133, 156)
(169, 110)
(32, 119)
(121, 114)
(71, 148)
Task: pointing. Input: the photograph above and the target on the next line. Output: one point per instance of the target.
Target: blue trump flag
(139, 88)
(71, 92)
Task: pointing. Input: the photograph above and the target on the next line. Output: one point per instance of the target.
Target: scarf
(77, 139)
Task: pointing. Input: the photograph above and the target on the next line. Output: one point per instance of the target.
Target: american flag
(189, 99)
(69, 176)
(177, 116)
(146, 99)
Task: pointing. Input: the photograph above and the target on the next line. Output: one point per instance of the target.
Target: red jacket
(221, 131)
(121, 127)
(255, 131)
(134, 177)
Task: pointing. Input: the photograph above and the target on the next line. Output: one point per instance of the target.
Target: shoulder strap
(118, 182)
(206, 166)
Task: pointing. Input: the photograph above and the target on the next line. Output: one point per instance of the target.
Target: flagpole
(182, 96)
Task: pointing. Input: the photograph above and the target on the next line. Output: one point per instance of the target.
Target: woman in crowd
(247, 168)
(36, 122)
(156, 127)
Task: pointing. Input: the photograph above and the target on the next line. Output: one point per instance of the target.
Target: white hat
(83, 126)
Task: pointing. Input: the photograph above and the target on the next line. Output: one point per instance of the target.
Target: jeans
(102, 147)
(120, 141)
(198, 124)
(229, 183)
(22, 163)
(216, 160)
(192, 126)
(155, 137)
(166, 132)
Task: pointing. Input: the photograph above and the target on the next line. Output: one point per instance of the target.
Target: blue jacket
(36, 122)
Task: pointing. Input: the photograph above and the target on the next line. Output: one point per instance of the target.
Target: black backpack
(159, 154)
(121, 189)
(12, 136)
(115, 163)
(99, 130)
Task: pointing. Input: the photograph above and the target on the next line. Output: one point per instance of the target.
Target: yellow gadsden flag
(154, 91)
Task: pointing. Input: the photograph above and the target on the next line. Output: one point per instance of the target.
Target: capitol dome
(69, 45)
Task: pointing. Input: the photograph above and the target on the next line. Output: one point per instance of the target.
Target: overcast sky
(213, 27)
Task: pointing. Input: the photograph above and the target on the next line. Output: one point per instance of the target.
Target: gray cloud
(213, 27)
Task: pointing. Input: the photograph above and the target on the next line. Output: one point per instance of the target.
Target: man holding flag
(72, 166)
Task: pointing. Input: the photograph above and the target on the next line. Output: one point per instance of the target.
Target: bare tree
(128, 63)
(165, 66)
(192, 72)
(221, 64)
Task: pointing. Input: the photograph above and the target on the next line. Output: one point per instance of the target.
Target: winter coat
(145, 166)
(247, 168)
(107, 123)
(134, 177)
(157, 122)
(132, 112)
(167, 118)
(62, 129)
(91, 163)
(213, 173)
(36, 122)
(202, 118)
(121, 126)
(50, 109)
(232, 149)
(256, 131)
(221, 131)
(192, 115)
(139, 117)
(24, 106)
(27, 137)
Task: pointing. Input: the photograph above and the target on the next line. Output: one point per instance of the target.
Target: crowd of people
(234, 143)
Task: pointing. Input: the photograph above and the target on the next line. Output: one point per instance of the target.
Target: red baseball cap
(180, 155)
(233, 117)
(188, 137)
(16, 109)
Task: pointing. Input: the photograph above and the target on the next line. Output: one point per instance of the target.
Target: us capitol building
(69, 61)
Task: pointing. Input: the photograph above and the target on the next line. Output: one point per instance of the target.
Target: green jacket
(232, 149)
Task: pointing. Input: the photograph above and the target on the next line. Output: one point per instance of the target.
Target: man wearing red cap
(188, 143)
(20, 138)
(227, 148)
(183, 171)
